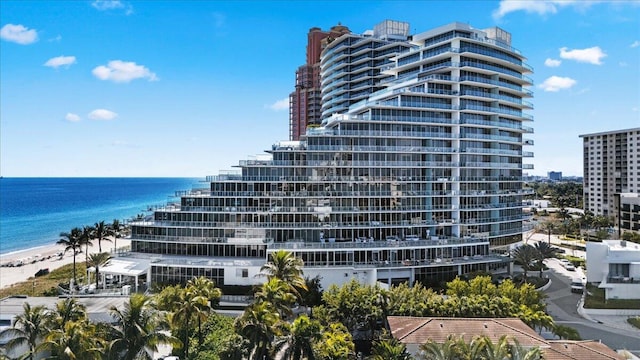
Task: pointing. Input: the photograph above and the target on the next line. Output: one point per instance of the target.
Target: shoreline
(45, 256)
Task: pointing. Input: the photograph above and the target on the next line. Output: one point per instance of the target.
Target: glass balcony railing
(501, 70)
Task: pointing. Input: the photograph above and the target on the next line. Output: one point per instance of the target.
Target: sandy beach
(44, 257)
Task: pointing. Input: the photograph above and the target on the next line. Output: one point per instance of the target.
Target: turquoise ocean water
(34, 211)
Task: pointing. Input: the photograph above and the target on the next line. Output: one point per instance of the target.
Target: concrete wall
(611, 312)
(623, 291)
(233, 277)
(596, 262)
(341, 275)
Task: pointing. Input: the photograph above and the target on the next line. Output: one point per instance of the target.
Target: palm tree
(100, 233)
(566, 332)
(526, 256)
(97, 261)
(286, 267)
(190, 304)
(448, 350)
(67, 310)
(205, 288)
(116, 229)
(138, 330)
(259, 325)
(518, 352)
(278, 294)
(75, 340)
(298, 344)
(72, 241)
(549, 226)
(495, 351)
(390, 349)
(544, 251)
(85, 239)
(28, 329)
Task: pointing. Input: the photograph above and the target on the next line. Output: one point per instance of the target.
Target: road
(562, 306)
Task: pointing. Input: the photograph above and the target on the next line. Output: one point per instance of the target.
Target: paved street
(562, 305)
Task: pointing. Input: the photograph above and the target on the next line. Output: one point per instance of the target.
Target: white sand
(13, 275)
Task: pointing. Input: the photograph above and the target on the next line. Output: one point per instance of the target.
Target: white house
(615, 265)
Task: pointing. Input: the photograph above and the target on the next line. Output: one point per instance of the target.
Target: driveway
(562, 305)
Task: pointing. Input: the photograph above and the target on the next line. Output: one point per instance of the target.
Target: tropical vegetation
(290, 317)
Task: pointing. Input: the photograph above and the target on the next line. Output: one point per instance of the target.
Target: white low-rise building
(615, 265)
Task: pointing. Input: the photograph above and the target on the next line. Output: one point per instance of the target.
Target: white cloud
(102, 114)
(282, 104)
(552, 62)
(592, 55)
(122, 71)
(72, 117)
(530, 6)
(635, 44)
(623, 64)
(540, 7)
(18, 34)
(56, 62)
(55, 39)
(557, 83)
(105, 5)
(507, 6)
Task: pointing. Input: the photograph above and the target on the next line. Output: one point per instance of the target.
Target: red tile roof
(589, 349)
(419, 330)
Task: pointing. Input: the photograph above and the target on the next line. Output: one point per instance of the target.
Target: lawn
(634, 321)
(46, 285)
(595, 300)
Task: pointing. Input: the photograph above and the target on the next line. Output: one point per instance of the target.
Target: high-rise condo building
(415, 172)
(554, 175)
(351, 65)
(611, 163)
(305, 101)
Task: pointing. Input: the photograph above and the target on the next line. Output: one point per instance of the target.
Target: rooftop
(419, 330)
(610, 132)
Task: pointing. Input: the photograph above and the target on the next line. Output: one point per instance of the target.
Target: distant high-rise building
(627, 215)
(611, 162)
(554, 175)
(305, 101)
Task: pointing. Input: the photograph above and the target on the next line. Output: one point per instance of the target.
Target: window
(243, 273)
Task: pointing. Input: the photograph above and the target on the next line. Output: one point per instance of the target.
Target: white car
(577, 286)
(570, 267)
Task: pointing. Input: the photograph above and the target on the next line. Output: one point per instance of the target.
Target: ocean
(34, 211)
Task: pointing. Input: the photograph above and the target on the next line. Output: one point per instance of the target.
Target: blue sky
(126, 88)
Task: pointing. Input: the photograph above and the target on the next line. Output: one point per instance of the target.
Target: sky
(187, 89)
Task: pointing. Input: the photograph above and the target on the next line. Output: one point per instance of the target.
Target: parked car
(570, 267)
(577, 286)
